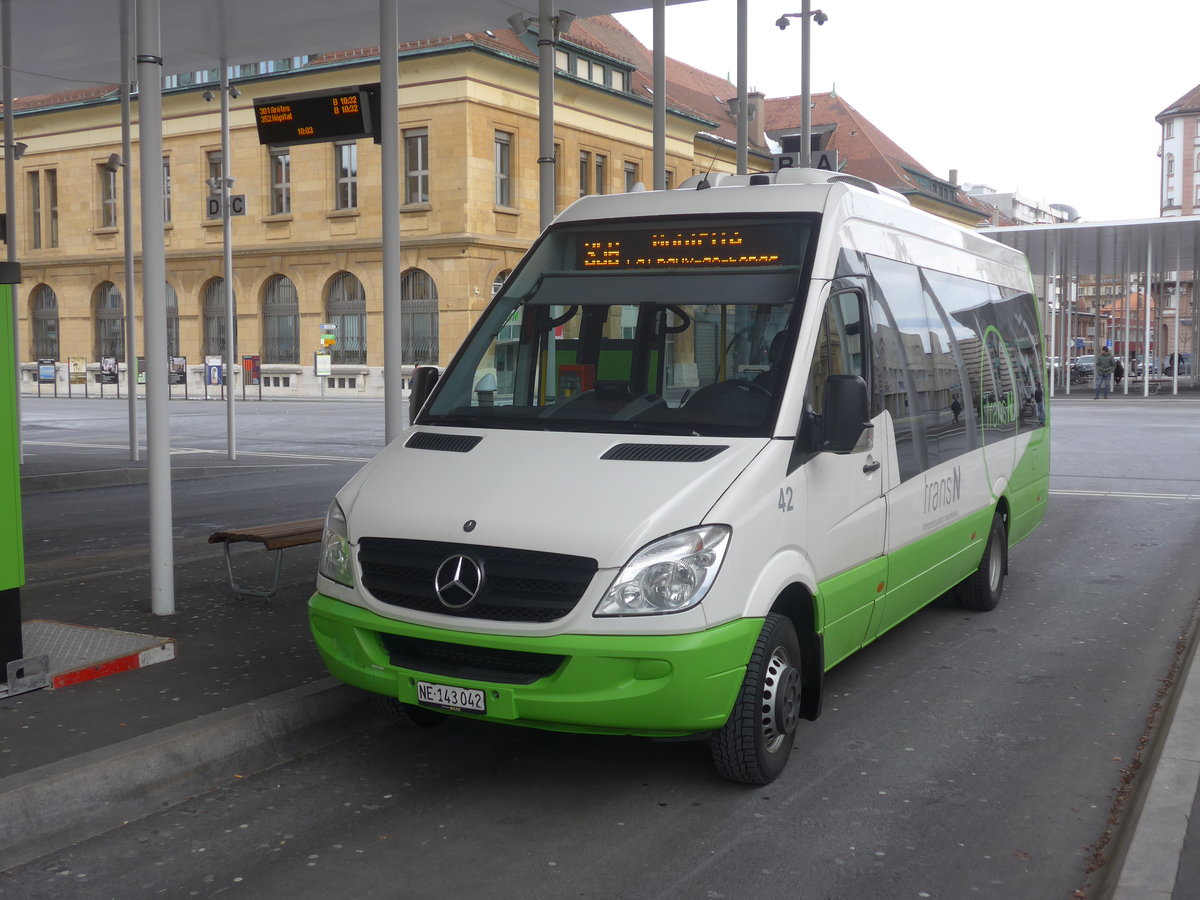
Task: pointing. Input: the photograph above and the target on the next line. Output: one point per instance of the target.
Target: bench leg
(249, 592)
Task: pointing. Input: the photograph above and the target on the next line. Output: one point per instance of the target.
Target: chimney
(954, 177)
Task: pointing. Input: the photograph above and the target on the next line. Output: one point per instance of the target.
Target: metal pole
(805, 92)
(10, 204)
(154, 279)
(1126, 265)
(743, 119)
(1178, 310)
(389, 146)
(127, 226)
(1051, 283)
(1146, 319)
(227, 255)
(547, 36)
(660, 95)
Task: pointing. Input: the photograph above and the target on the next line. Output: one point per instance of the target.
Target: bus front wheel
(754, 744)
(981, 591)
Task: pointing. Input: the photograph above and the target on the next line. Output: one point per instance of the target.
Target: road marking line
(201, 451)
(1126, 495)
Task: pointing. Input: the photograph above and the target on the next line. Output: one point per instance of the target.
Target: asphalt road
(962, 755)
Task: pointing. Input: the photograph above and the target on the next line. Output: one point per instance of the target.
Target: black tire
(754, 744)
(981, 592)
(405, 714)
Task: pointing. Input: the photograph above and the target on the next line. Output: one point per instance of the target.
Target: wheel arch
(797, 603)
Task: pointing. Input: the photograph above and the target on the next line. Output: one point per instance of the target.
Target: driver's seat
(769, 378)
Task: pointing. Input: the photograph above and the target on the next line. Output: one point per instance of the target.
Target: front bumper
(649, 685)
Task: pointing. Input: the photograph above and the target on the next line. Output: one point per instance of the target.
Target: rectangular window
(345, 174)
(281, 180)
(1169, 128)
(601, 174)
(416, 165)
(585, 173)
(50, 201)
(618, 80)
(35, 210)
(166, 189)
(108, 196)
(597, 73)
(503, 150)
(213, 159)
(562, 60)
(631, 176)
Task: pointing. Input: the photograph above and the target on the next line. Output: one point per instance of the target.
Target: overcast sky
(1054, 99)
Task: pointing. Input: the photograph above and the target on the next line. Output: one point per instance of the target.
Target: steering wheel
(718, 388)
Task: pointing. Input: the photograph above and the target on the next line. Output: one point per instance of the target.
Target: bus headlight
(670, 575)
(337, 563)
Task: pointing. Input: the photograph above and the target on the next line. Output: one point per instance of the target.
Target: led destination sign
(687, 248)
(312, 118)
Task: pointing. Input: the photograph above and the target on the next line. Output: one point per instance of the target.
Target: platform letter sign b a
(825, 159)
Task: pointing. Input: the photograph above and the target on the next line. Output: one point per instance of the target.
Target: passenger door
(845, 505)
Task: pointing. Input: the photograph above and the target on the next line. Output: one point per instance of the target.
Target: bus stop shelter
(1118, 265)
(51, 46)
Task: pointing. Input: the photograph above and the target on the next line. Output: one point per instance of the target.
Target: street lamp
(805, 15)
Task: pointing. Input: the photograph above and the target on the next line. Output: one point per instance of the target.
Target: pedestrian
(956, 407)
(1118, 372)
(1039, 402)
(1105, 364)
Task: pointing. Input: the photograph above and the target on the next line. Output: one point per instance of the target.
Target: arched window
(110, 322)
(172, 321)
(1170, 164)
(418, 319)
(346, 307)
(281, 321)
(43, 310)
(214, 318)
(499, 282)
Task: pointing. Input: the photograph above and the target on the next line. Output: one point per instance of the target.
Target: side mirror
(423, 380)
(847, 413)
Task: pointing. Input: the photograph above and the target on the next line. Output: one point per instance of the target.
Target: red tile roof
(1188, 103)
(863, 149)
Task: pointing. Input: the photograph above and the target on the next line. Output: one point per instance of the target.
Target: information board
(311, 118)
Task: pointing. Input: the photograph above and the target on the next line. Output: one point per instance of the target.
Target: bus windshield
(637, 326)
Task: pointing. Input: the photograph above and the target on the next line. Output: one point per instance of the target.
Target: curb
(1147, 864)
(54, 806)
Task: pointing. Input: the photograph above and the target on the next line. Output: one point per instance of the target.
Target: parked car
(1082, 368)
(1185, 364)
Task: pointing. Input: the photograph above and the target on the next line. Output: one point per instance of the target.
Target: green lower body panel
(648, 685)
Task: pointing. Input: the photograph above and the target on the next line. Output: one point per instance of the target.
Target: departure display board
(718, 247)
(340, 115)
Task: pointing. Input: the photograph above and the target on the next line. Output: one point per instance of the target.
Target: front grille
(520, 585)
(472, 663)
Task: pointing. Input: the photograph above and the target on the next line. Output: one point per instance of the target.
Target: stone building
(307, 251)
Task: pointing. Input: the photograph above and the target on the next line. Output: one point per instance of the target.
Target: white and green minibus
(703, 445)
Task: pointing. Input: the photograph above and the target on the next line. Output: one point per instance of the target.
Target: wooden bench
(277, 537)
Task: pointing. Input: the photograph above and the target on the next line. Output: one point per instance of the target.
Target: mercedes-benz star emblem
(458, 581)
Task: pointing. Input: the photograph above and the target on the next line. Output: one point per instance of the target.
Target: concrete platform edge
(56, 805)
(1146, 859)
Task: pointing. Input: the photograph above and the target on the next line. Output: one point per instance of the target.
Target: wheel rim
(995, 564)
(781, 700)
